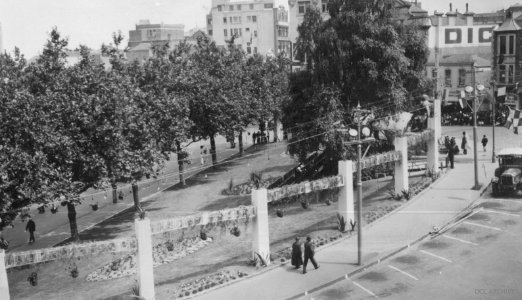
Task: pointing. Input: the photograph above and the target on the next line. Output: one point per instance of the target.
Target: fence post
(345, 207)
(401, 166)
(434, 124)
(4, 283)
(145, 263)
(261, 239)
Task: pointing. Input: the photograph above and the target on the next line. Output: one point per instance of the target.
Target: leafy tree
(362, 54)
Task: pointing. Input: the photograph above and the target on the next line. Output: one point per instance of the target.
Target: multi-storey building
(146, 36)
(256, 25)
(507, 55)
(460, 51)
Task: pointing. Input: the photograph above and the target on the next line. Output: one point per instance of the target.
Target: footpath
(435, 206)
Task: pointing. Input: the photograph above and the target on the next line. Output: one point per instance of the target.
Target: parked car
(508, 176)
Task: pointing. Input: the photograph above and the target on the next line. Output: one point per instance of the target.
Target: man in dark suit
(31, 227)
(309, 253)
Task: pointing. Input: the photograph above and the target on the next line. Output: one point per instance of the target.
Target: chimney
(469, 16)
(452, 16)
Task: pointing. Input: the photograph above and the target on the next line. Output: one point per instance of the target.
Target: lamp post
(470, 89)
(358, 118)
(493, 158)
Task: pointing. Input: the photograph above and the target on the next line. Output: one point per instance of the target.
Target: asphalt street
(479, 257)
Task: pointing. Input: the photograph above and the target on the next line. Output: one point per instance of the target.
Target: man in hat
(297, 254)
(309, 253)
(31, 227)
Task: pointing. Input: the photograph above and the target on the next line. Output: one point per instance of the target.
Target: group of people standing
(309, 252)
(453, 149)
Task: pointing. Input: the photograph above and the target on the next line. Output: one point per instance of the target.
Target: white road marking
(435, 255)
(365, 289)
(500, 213)
(460, 240)
(405, 273)
(483, 226)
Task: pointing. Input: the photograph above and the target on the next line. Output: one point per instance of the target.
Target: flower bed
(162, 253)
(205, 283)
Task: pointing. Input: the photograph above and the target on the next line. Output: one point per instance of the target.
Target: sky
(27, 23)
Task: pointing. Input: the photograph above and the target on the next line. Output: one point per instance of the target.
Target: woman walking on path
(297, 254)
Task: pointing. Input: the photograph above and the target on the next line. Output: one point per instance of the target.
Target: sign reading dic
(461, 36)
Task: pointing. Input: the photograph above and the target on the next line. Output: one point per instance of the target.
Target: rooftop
(510, 151)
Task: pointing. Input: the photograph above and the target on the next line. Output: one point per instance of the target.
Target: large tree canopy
(361, 55)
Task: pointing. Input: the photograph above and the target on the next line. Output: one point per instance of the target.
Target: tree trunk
(181, 164)
(71, 213)
(240, 142)
(136, 196)
(213, 149)
(114, 192)
(276, 132)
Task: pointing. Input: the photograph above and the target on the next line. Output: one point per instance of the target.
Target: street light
(470, 89)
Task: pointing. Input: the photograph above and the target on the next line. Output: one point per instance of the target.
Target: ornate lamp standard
(470, 89)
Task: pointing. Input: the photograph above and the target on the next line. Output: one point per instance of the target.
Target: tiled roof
(508, 25)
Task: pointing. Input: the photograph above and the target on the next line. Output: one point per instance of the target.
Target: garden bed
(162, 254)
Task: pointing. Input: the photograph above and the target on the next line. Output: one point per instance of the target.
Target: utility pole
(493, 158)
(475, 153)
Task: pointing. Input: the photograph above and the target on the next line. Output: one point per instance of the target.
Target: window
(324, 6)
(282, 31)
(269, 5)
(231, 32)
(225, 32)
(238, 7)
(210, 32)
(249, 18)
(447, 77)
(240, 33)
(247, 29)
(255, 50)
(506, 73)
(254, 19)
(303, 6)
(239, 19)
(225, 20)
(231, 20)
(255, 33)
(251, 6)
(462, 77)
(434, 73)
(209, 21)
(219, 7)
(231, 7)
(249, 50)
(235, 32)
(506, 44)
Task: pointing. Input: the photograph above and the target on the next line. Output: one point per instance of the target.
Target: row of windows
(506, 75)
(302, 6)
(237, 19)
(238, 32)
(282, 31)
(447, 77)
(239, 7)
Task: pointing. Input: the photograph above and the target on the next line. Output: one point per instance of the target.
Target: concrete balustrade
(401, 166)
(261, 238)
(145, 261)
(434, 123)
(345, 206)
(4, 283)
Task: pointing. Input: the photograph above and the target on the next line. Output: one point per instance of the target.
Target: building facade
(460, 51)
(256, 26)
(507, 56)
(145, 36)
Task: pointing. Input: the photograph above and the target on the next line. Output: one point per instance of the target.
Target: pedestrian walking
(464, 144)
(484, 142)
(31, 227)
(451, 152)
(309, 252)
(297, 254)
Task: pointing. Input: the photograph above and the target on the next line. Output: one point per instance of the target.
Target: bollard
(145, 262)
(261, 240)
(4, 283)
(345, 206)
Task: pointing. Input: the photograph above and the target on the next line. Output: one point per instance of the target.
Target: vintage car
(508, 175)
